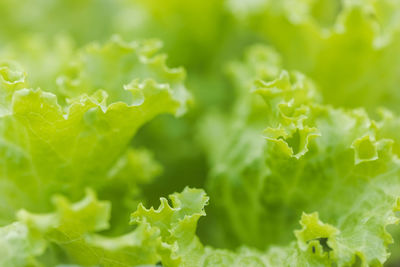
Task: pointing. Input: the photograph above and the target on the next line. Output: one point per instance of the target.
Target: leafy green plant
(277, 142)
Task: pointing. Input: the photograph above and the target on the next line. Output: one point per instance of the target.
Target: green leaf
(166, 234)
(344, 46)
(74, 228)
(18, 247)
(179, 245)
(312, 158)
(47, 147)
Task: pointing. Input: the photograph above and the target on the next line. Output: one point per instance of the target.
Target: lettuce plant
(277, 142)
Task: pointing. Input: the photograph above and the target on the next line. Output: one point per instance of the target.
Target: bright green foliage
(18, 247)
(297, 144)
(74, 227)
(48, 147)
(176, 226)
(312, 158)
(346, 46)
(166, 234)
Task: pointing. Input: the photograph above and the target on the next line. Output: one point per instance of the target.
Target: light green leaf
(312, 158)
(18, 247)
(344, 46)
(179, 245)
(74, 227)
(47, 147)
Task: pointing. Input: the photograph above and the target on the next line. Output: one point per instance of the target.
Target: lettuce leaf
(301, 167)
(18, 246)
(312, 158)
(166, 234)
(344, 46)
(57, 143)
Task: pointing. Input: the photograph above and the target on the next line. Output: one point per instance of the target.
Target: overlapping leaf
(312, 158)
(48, 146)
(345, 46)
